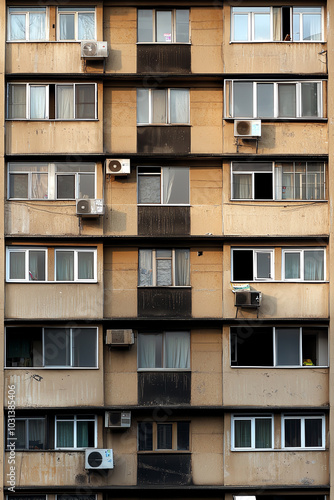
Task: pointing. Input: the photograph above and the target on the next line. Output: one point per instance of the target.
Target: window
(30, 433)
(166, 350)
(51, 181)
(75, 101)
(162, 106)
(264, 99)
(76, 23)
(26, 497)
(75, 264)
(265, 24)
(27, 24)
(26, 264)
(304, 265)
(252, 432)
(164, 267)
(279, 347)
(163, 26)
(252, 264)
(76, 431)
(292, 180)
(307, 432)
(153, 436)
(80, 497)
(163, 185)
(51, 347)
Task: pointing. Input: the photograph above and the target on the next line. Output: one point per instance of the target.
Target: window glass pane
(36, 265)
(159, 106)
(163, 26)
(288, 182)
(183, 435)
(286, 100)
(145, 268)
(65, 434)
(38, 102)
(17, 26)
(313, 432)
(39, 186)
(243, 99)
(37, 26)
(145, 440)
(265, 100)
(86, 265)
(86, 26)
(177, 350)
(85, 101)
(242, 433)
(261, 27)
(84, 347)
(242, 187)
(287, 347)
(20, 434)
(18, 185)
(263, 260)
(85, 434)
(182, 25)
(176, 185)
(57, 347)
(149, 189)
(292, 265)
(17, 265)
(65, 106)
(143, 107)
(145, 25)
(296, 27)
(86, 186)
(315, 181)
(179, 106)
(164, 272)
(24, 347)
(36, 434)
(66, 27)
(182, 268)
(64, 265)
(66, 187)
(309, 99)
(314, 265)
(150, 350)
(263, 433)
(164, 436)
(292, 428)
(16, 101)
(312, 26)
(240, 27)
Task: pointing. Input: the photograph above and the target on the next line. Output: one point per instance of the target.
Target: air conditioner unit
(118, 419)
(90, 208)
(120, 337)
(247, 128)
(94, 50)
(98, 459)
(250, 299)
(118, 167)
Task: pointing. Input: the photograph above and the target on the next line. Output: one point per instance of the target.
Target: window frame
(161, 175)
(26, 432)
(155, 260)
(76, 251)
(154, 435)
(173, 26)
(252, 418)
(75, 10)
(302, 419)
(168, 121)
(255, 251)
(229, 112)
(26, 11)
(28, 86)
(163, 352)
(16, 249)
(75, 421)
(301, 252)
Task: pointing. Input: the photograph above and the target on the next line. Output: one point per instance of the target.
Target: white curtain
(17, 26)
(86, 26)
(149, 351)
(86, 265)
(313, 265)
(65, 102)
(179, 106)
(145, 268)
(312, 26)
(38, 102)
(168, 184)
(177, 348)
(39, 186)
(17, 265)
(242, 186)
(37, 26)
(292, 265)
(182, 268)
(36, 265)
(64, 266)
(277, 12)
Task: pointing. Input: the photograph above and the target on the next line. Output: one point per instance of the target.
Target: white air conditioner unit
(251, 299)
(118, 419)
(98, 459)
(90, 208)
(118, 167)
(119, 337)
(94, 50)
(247, 128)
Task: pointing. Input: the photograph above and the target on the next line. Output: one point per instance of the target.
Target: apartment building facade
(166, 242)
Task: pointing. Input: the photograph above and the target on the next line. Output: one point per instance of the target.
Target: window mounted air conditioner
(119, 338)
(247, 128)
(118, 167)
(90, 208)
(118, 419)
(94, 50)
(98, 459)
(251, 299)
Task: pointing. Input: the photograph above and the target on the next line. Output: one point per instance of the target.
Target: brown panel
(164, 388)
(163, 221)
(158, 58)
(164, 468)
(163, 139)
(164, 301)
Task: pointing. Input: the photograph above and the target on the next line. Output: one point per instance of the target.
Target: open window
(252, 264)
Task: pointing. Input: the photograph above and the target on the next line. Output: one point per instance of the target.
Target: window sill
(163, 43)
(276, 119)
(43, 120)
(307, 367)
(280, 281)
(51, 368)
(53, 282)
(231, 42)
(167, 370)
(285, 201)
(247, 450)
(162, 286)
(159, 452)
(163, 125)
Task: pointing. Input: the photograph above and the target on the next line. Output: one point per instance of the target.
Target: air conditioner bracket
(248, 139)
(247, 307)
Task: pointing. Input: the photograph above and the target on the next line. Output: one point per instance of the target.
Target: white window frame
(229, 101)
(163, 353)
(26, 250)
(26, 11)
(301, 16)
(154, 268)
(252, 418)
(26, 420)
(161, 176)
(256, 251)
(74, 11)
(75, 85)
(75, 421)
(173, 34)
(76, 252)
(301, 251)
(251, 25)
(302, 419)
(252, 174)
(168, 113)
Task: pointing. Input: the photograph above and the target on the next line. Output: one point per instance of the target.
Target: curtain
(145, 268)
(37, 26)
(149, 189)
(150, 351)
(262, 27)
(313, 432)
(242, 186)
(159, 106)
(65, 434)
(66, 27)
(292, 265)
(143, 106)
(312, 26)
(86, 26)
(36, 434)
(177, 350)
(17, 101)
(309, 91)
(65, 105)
(263, 433)
(38, 102)
(242, 434)
(39, 186)
(86, 186)
(164, 267)
(84, 101)
(64, 266)
(17, 265)
(17, 26)
(313, 265)
(85, 265)
(292, 429)
(277, 13)
(20, 434)
(286, 100)
(83, 434)
(179, 106)
(182, 268)
(36, 265)
(168, 183)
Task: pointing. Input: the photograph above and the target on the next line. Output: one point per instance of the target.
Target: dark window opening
(243, 265)
(251, 346)
(263, 186)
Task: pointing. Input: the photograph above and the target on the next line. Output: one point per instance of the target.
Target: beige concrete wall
(206, 40)
(206, 282)
(120, 376)
(206, 111)
(206, 201)
(120, 31)
(124, 446)
(121, 205)
(207, 447)
(120, 121)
